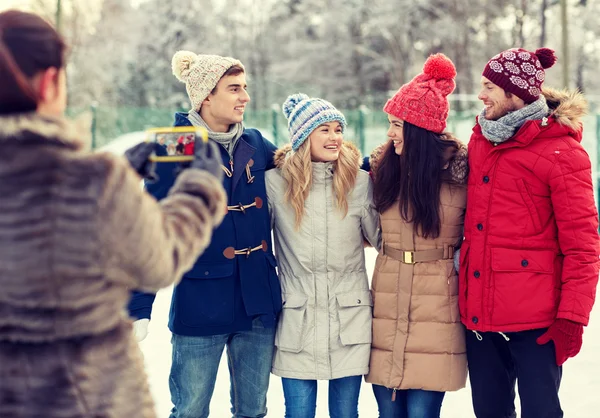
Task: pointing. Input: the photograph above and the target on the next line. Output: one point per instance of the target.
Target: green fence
(366, 127)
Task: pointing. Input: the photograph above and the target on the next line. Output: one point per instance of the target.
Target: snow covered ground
(122, 143)
(579, 392)
(580, 389)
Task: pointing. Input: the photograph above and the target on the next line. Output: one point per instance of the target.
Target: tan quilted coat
(76, 234)
(418, 339)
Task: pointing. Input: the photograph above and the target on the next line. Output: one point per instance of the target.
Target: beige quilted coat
(324, 331)
(76, 234)
(418, 339)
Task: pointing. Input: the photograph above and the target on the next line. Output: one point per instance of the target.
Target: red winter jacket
(530, 253)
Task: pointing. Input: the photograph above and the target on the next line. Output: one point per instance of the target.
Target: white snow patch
(122, 143)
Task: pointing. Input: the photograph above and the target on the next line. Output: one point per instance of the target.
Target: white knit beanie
(200, 73)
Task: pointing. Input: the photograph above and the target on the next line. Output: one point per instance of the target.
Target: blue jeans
(301, 397)
(411, 403)
(196, 362)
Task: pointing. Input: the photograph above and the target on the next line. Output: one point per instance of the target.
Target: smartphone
(175, 144)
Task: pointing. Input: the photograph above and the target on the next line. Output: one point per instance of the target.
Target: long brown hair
(414, 179)
(297, 171)
(28, 45)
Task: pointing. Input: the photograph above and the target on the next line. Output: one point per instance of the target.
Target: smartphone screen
(175, 143)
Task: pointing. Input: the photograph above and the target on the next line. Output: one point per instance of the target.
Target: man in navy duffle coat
(231, 297)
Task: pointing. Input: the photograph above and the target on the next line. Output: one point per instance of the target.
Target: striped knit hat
(305, 114)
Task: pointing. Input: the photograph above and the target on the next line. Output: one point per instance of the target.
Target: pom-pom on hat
(423, 100)
(305, 114)
(520, 72)
(200, 73)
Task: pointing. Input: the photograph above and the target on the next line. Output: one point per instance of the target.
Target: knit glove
(138, 158)
(567, 336)
(140, 329)
(208, 157)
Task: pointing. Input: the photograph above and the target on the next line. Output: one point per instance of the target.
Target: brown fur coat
(76, 234)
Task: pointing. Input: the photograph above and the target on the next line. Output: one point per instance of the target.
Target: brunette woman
(418, 350)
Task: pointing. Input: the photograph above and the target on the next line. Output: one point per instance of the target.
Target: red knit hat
(423, 100)
(520, 72)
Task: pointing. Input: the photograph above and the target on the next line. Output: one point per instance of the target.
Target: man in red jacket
(529, 260)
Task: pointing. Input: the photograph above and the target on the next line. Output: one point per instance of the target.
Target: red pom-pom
(439, 66)
(546, 57)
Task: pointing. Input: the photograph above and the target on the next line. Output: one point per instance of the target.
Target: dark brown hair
(233, 70)
(413, 179)
(28, 45)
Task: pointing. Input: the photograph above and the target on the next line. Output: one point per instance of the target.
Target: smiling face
(326, 142)
(225, 106)
(497, 102)
(395, 133)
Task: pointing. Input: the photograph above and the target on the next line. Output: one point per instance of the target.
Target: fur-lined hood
(74, 134)
(459, 167)
(347, 148)
(568, 107)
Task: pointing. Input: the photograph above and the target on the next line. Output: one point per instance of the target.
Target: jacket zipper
(394, 395)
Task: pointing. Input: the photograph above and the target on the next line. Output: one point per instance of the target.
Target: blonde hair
(297, 172)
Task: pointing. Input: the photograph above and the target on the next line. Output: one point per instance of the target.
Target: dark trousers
(495, 364)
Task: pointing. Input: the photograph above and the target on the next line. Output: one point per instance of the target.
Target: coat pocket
(356, 317)
(207, 300)
(210, 271)
(526, 290)
(292, 323)
(529, 204)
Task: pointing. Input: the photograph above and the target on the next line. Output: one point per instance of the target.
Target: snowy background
(351, 52)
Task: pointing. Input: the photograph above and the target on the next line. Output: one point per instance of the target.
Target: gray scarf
(500, 130)
(227, 139)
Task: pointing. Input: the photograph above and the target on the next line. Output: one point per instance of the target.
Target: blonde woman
(321, 210)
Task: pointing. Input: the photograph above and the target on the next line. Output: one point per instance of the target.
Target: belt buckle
(408, 257)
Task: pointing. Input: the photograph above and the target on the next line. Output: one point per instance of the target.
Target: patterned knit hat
(306, 114)
(520, 72)
(423, 100)
(200, 73)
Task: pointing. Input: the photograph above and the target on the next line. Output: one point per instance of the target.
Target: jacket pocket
(206, 301)
(529, 204)
(356, 317)
(525, 288)
(292, 323)
(210, 271)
